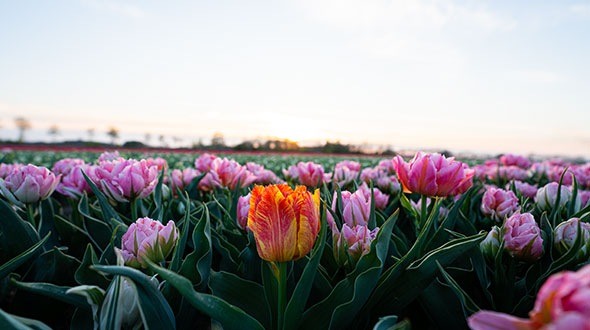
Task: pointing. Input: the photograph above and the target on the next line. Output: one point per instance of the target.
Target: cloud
(537, 76)
(580, 9)
(116, 7)
(419, 30)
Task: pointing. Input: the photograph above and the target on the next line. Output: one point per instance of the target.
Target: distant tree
(23, 125)
(53, 131)
(148, 137)
(162, 140)
(113, 132)
(176, 140)
(90, 133)
(218, 141)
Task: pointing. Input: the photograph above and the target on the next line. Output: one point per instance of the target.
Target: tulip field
(251, 241)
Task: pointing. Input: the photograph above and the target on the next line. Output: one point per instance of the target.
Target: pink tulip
(343, 176)
(181, 179)
(522, 237)
(525, 189)
(125, 180)
(159, 162)
(381, 199)
(73, 184)
(387, 165)
(109, 156)
(507, 173)
(228, 172)
(431, 174)
(7, 169)
(358, 240)
(65, 166)
(565, 235)
(370, 174)
(499, 204)
(563, 302)
(28, 184)
(309, 174)
(356, 209)
(515, 160)
(148, 238)
(203, 163)
(263, 176)
(584, 197)
(243, 209)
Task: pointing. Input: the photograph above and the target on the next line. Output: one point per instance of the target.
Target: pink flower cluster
(346, 172)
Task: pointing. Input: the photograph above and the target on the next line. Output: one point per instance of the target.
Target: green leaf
(13, 322)
(56, 267)
(98, 231)
(180, 245)
(230, 317)
(155, 310)
(469, 306)
(107, 210)
(94, 297)
(296, 306)
(17, 261)
(244, 294)
(22, 234)
(340, 308)
(85, 275)
(158, 211)
(52, 291)
(197, 264)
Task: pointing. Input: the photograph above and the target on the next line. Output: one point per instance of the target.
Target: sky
(482, 76)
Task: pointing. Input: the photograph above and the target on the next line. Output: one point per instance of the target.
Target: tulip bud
(489, 246)
(148, 238)
(355, 242)
(565, 235)
(522, 237)
(243, 209)
(547, 197)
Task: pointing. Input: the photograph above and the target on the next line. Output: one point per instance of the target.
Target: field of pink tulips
(250, 241)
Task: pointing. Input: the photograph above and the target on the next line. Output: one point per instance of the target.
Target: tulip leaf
(56, 267)
(17, 261)
(241, 293)
(13, 322)
(22, 234)
(403, 286)
(46, 223)
(469, 306)
(197, 264)
(230, 317)
(106, 208)
(340, 308)
(154, 309)
(52, 291)
(180, 245)
(296, 306)
(85, 275)
(98, 231)
(157, 213)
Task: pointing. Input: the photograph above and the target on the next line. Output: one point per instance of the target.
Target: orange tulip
(285, 223)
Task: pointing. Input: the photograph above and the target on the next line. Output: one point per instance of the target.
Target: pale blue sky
(486, 76)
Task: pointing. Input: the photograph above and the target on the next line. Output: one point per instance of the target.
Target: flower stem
(31, 214)
(423, 212)
(133, 210)
(282, 293)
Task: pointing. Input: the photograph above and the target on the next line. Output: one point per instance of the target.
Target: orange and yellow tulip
(285, 222)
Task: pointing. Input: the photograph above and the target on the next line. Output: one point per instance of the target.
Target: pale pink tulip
(203, 163)
(522, 237)
(243, 209)
(148, 238)
(28, 184)
(515, 160)
(499, 204)
(358, 240)
(125, 180)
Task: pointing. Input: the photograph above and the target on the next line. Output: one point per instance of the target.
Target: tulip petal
(489, 320)
(307, 209)
(274, 224)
